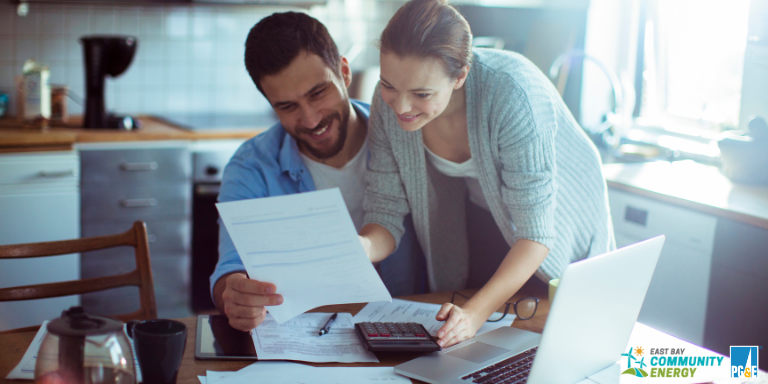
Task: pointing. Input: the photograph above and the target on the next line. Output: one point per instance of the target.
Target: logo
(744, 361)
(669, 362)
(635, 371)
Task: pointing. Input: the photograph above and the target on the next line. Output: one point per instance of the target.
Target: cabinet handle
(57, 174)
(138, 203)
(636, 215)
(148, 166)
(207, 189)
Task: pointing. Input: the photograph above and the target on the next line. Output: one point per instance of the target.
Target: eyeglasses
(524, 308)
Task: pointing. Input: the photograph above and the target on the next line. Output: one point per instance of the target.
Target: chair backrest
(141, 277)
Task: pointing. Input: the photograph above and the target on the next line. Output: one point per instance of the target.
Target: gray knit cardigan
(539, 173)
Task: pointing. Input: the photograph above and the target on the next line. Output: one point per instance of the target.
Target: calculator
(396, 337)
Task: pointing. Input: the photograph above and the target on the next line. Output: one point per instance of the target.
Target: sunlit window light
(694, 61)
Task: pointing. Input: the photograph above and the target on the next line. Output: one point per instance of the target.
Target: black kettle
(79, 348)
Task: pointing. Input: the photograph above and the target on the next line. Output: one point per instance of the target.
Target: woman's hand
(460, 324)
(377, 242)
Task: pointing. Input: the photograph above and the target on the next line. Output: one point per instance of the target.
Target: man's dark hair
(278, 38)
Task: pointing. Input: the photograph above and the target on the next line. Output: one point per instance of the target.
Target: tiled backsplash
(189, 58)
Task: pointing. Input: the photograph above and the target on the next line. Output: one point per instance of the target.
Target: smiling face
(312, 104)
(417, 89)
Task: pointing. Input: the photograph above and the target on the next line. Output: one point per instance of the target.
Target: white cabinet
(676, 302)
(39, 201)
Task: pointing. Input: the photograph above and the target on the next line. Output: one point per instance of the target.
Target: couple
(471, 151)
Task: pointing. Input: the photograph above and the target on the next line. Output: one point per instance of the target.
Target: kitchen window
(691, 61)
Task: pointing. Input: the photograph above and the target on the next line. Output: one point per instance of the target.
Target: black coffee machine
(105, 55)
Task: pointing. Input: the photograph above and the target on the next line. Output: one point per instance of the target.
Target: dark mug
(159, 346)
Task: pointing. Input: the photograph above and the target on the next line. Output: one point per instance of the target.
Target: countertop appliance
(209, 160)
(105, 55)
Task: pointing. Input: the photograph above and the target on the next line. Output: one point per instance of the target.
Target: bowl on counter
(745, 155)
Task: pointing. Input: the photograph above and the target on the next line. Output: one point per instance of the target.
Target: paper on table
(25, 370)
(305, 244)
(216, 377)
(297, 339)
(274, 372)
(423, 313)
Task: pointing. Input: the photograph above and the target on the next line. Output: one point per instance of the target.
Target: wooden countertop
(14, 138)
(692, 185)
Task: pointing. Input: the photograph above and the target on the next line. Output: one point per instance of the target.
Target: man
(319, 143)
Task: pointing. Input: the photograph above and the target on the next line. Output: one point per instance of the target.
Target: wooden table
(14, 344)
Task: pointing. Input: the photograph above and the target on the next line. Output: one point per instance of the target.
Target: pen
(327, 327)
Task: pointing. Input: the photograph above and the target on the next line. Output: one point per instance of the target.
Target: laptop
(587, 329)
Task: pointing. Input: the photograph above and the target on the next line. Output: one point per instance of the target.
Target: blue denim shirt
(269, 165)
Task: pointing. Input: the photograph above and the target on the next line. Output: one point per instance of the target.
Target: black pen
(327, 327)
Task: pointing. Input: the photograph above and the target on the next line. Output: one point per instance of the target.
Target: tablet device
(217, 340)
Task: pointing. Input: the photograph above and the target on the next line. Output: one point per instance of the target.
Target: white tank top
(467, 170)
(350, 179)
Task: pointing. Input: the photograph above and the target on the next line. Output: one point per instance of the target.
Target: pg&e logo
(744, 361)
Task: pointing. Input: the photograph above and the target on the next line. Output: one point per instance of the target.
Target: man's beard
(325, 153)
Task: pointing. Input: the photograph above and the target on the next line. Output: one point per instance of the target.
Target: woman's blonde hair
(430, 28)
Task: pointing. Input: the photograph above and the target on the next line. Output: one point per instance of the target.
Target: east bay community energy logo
(666, 362)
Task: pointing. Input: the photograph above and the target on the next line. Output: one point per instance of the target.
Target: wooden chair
(136, 237)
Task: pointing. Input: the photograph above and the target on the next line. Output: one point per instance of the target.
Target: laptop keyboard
(513, 370)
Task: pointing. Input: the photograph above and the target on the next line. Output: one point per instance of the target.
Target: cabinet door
(33, 216)
(738, 305)
(676, 302)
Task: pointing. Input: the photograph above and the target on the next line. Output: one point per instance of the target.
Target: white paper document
(298, 339)
(305, 244)
(26, 367)
(275, 372)
(215, 377)
(422, 313)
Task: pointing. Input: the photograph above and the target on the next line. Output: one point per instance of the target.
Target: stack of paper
(274, 372)
(298, 339)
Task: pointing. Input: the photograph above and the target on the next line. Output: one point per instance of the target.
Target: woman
(447, 121)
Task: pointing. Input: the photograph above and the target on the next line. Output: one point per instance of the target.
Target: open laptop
(587, 329)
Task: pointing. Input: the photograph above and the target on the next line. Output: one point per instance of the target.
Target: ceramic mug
(552, 289)
(159, 346)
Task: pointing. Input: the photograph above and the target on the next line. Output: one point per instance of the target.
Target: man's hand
(244, 300)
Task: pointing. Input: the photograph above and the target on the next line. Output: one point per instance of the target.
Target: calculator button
(385, 335)
(373, 334)
(419, 335)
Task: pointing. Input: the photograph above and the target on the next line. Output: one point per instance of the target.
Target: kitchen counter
(694, 186)
(13, 138)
